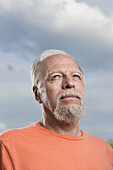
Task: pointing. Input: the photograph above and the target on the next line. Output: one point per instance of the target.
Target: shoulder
(13, 133)
(98, 142)
(95, 139)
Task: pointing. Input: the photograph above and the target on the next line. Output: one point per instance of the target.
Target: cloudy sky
(82, 28)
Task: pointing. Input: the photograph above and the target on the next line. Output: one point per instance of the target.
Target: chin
(69, 113)
(70, 105)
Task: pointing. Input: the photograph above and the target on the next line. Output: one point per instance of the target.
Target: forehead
(59, 62)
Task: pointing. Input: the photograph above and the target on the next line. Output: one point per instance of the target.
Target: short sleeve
(5, 161)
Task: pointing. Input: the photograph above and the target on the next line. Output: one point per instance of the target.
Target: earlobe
(37, 95)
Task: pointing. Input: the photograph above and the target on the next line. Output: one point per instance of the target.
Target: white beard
(70, 113)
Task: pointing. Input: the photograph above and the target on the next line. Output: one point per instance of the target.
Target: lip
(69, 97)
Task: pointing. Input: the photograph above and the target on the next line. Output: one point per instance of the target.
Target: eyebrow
(58, 71)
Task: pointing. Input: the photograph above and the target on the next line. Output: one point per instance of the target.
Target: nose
(68, 83)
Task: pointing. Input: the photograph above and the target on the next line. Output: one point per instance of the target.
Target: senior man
(56, 142)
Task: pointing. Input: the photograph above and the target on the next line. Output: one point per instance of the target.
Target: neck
(68, 129)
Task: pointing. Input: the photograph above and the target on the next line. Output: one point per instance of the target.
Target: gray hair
(35, 68)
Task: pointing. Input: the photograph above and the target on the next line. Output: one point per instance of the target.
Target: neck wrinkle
(63, 128)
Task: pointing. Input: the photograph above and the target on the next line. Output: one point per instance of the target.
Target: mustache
(73, 94)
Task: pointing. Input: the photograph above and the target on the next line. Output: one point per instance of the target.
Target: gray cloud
(105, 6)
(10, 67)
(85, 32)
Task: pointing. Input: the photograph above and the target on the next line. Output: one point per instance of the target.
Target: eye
(77, 76)
(55, 77)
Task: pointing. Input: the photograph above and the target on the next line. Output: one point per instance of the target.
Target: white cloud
(78, 18)
(106, 6)
(3, 127)
(82, 30)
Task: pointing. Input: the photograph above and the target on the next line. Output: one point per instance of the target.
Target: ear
(37, 94)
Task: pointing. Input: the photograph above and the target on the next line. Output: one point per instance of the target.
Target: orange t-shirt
(37, 148)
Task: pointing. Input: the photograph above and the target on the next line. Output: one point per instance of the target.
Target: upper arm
(5, 160)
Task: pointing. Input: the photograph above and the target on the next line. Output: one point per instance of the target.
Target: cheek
(52, 92)
(82, 92)
(43, 95)
(53, 88)
(81, 89)
(51, 95)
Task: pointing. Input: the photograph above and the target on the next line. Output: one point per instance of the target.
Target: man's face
(63, 86)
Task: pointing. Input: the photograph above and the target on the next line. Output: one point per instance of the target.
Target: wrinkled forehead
(58, 62)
